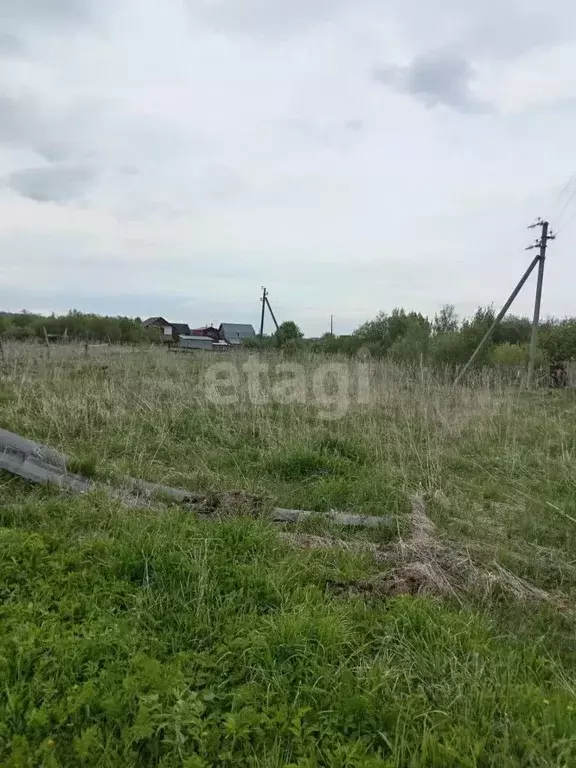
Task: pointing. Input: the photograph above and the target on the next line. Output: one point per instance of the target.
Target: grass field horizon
(135, 636)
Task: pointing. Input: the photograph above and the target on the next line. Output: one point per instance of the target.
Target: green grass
(133, 640)
(138, 638)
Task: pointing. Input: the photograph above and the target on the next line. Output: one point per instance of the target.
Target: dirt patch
(229, 504)
(423, 564)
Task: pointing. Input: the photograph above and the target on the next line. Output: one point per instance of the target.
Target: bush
(558, 340)
(510, 354)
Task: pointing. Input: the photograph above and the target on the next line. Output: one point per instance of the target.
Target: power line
(567, 204)
(566, 187)
(566, 224)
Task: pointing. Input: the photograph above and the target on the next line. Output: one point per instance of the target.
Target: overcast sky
(172, 156)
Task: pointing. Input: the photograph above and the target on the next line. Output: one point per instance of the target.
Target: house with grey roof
(180, 329)
(170, 331)
(236, 333)
(196, 342)
(162, 324)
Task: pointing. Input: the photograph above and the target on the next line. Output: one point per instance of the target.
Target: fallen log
(37, 463)
(11, 443)
(340, 518)
(144, 488)
(33, 461)
(34, 470)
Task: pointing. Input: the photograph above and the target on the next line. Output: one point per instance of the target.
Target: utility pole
(331, 325)
(263, 300)
(271, 312)
(542, 245)
(501, 314)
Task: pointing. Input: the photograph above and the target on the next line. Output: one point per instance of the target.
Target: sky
(170, 157)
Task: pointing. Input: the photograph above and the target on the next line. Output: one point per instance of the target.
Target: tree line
(75, 326)
(445, 340)
(402, 336)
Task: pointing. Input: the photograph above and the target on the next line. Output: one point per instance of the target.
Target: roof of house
(237, 331)
(196, 338)
(205, 341)
(156, 321)
(180, 329)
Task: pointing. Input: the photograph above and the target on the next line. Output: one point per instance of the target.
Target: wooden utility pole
(499, 317)
(263, 300)
(540, 259)
(541, 244)
(271, 312)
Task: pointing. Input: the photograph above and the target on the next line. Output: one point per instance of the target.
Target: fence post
(47, 342)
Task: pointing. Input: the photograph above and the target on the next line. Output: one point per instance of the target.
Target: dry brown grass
(421, 563)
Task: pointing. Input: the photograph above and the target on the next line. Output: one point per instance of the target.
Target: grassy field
(141, 637)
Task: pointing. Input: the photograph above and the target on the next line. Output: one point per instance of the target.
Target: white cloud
(180, 155)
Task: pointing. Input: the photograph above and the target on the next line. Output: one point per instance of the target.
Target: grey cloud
(355, 126)
(514, 31)
(54, 151)
(16, 117)
(16, 13)
(26, 124)
(23, 20)
(436, 78)
(502, 29)
(10, 45)
(57, 184)
(263, 17)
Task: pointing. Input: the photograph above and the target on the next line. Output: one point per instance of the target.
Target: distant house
(235, 333)
(170, 331)
(196, 342)
(207, 330)
(180, 329)
(165, 327)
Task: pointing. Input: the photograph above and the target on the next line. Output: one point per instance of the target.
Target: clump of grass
(6, 395)
(85, 466)
(304, 464)
(345, 448)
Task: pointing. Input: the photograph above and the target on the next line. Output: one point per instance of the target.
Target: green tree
(386, 330)
(76, 325)
(513, 330)
(446, 320)
(557, 340)
(287, 332)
